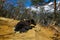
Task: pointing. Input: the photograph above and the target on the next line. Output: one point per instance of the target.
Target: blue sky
(28, 2)
(14, 2)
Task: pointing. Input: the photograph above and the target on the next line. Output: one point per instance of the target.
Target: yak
(24, 26)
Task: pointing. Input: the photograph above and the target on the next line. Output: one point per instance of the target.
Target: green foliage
(36, 1)
(39, 2)
(9, 11)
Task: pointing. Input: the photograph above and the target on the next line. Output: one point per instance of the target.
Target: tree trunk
(55, 15)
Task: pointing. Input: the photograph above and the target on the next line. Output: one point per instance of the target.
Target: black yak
(25, 25)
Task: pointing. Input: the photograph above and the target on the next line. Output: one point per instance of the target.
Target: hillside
(37, 33)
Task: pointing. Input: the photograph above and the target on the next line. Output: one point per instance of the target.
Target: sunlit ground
(37, 33)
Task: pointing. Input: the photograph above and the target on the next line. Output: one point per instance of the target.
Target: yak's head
(31, 21)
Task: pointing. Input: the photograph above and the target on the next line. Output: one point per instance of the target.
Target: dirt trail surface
(37, 33)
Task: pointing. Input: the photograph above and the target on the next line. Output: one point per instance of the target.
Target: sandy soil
(37, 33)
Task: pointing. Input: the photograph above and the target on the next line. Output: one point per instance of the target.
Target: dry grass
(37, 33)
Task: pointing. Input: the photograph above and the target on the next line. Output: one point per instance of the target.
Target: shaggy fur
(24, 26)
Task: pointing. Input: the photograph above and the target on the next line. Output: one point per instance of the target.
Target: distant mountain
(50, 6)
(47, 8)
